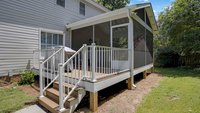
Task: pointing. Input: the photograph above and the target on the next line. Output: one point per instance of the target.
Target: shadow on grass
(179, 72)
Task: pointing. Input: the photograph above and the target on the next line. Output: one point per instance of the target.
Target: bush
(166, 57)
(27, 77)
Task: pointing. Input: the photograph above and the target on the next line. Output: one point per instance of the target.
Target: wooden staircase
(51, 98)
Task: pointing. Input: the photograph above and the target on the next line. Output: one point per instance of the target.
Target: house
(111, 46)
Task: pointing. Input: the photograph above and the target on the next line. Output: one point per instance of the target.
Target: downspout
(132, 47)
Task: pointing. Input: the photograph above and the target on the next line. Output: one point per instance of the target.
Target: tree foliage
(114, 4)
(179, 27)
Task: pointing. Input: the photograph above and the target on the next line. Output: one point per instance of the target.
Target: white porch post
(61, 104)
(93, 62)
(131, 55)
(84, 60)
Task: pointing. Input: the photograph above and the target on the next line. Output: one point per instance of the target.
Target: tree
(114, 4)
(179, 27)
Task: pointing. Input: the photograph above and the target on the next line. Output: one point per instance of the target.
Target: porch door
(119, 39)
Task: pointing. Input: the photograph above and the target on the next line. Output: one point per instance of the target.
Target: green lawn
(179, 92)
(13, 99)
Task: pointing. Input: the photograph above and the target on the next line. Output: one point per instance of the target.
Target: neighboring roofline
(116, 14)
(97, 5)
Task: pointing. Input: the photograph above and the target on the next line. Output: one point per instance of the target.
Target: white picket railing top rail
(52, 55)
(65, 63)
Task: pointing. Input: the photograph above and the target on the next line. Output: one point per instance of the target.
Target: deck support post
(152, 69)
(144, 74)
(130, 83)
(93, 101)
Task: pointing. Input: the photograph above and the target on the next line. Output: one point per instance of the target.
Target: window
(61, 3)
(82, 8)
(51, 40)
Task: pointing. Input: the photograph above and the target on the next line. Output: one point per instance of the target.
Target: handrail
(52, 55)
(65, 99)
(51, 83)
(64, 64)
(47, 68)
(98, 46)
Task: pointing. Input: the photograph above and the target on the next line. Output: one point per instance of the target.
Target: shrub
(166, 57)
(27, 77)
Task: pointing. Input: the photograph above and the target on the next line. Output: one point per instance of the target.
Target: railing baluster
(47, 73)
(41, 79)
(104, 60)
(99, 61)
(91, 63)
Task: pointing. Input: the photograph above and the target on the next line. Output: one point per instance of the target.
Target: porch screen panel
(120, 21)
(102, 34)
(139, 45)
(82, 36)
(149, 49)
(148, 21)
(140, 13)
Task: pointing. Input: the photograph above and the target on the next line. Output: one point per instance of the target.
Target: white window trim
(50, 31)
(80, 12)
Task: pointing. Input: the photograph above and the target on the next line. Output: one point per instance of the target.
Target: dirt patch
(126, 101)
(7, 81)
(31, 90)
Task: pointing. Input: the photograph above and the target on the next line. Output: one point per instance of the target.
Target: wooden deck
(76, 74)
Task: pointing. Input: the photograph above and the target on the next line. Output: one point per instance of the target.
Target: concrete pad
(32, 109)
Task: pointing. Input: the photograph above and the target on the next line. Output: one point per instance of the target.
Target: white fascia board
(142, 69)
(152, 19)
(117, 14)
(98, 5)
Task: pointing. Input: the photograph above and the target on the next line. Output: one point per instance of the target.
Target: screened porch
(121, 40)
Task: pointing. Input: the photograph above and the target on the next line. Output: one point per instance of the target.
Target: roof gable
(97, 5)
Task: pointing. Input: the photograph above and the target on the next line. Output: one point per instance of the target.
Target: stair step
(67, 85)
(75, 93)
(49, 104)
(53, 94)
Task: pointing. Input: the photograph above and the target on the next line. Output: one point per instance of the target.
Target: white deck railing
(48, 60)
(88, 63)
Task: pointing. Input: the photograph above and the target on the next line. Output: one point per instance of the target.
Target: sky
(158, 5)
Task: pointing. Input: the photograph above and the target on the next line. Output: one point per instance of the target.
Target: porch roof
(116, 14)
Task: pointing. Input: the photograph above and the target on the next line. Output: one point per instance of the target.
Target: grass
(179, 92)
(12, 99)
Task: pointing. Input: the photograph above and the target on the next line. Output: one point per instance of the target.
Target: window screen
(51, 40)
(82, 8)
(61, 3)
